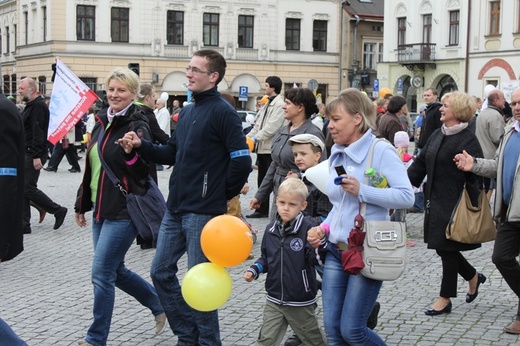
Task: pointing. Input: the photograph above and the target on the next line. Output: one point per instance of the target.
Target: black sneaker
(256, 215)
(60, 217)
(293, 340)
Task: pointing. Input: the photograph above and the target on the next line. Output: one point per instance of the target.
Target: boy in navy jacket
(289, 263)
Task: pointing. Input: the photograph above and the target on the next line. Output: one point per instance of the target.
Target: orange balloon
(250, 143)
(384, 91)
(226, 240)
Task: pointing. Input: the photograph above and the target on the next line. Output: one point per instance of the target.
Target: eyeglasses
(196, 70)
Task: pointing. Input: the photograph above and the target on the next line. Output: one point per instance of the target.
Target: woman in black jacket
(113, 231)
(442, 190)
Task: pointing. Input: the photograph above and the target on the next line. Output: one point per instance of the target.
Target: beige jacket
(493, 168)
(268, 123)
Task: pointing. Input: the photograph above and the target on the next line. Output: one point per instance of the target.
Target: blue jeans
(347, 303)
(8, 336)
(112, 239)
(179, 234)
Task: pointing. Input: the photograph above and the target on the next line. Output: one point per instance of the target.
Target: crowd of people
(459, 145)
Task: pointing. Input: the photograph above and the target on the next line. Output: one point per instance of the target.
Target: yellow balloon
(226, 240)
(206, 286)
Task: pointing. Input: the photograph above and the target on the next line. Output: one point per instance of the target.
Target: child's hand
(248, 276)
(314, 236)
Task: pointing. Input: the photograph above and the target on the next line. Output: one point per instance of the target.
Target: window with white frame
(401, 31)
(454, 28)
(372, 54)
(494, 17)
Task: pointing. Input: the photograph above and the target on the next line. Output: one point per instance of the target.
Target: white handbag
(384, 247)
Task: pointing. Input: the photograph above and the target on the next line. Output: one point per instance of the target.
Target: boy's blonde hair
(294, 186)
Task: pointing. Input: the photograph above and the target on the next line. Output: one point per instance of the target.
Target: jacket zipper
(205, 185)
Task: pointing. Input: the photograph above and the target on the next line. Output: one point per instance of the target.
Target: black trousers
(59, 152)
(35, 195)
(505, 253)
(263, 162)
(453, 263)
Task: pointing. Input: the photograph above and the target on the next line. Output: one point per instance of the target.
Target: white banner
(70, 100)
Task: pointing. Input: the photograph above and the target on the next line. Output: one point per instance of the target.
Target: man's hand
(130, 141)
(464, 161)
(245, 189)
(37, 164)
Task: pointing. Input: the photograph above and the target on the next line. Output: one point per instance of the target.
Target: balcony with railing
(416, 55)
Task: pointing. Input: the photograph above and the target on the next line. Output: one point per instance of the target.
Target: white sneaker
(161, 322)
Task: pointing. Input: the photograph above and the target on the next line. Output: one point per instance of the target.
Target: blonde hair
(126, 76)
(462, 105)
(354, 101)
(294, 186)
(401, 151)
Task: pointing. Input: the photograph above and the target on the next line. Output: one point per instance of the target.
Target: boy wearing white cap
(307, 150)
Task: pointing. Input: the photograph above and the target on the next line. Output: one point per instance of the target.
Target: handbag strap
(363, 205)
(107, 169)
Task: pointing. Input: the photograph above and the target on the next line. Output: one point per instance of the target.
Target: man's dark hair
(395, 104)
(216, 62)
(275, 83)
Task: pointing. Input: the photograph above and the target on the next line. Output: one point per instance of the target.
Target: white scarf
(111, 115)
(453, 130)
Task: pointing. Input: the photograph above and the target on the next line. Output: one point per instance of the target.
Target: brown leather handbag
(469, 224)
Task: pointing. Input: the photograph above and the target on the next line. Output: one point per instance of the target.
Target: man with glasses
(211, 163)
(268, 123)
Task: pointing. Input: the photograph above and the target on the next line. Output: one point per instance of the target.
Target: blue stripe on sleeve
(8, 171)
(239, 153)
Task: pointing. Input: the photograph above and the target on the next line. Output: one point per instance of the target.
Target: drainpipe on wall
(355, 61)
(342, 3)
(466, 68)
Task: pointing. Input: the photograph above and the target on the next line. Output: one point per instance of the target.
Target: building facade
(425, 46)
(494, 43)
(362, 38)
(294, 39)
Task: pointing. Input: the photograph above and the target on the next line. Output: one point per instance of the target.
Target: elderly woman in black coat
(444, 186)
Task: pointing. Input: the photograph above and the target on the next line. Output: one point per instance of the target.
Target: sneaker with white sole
(84, 343)
(161, 322)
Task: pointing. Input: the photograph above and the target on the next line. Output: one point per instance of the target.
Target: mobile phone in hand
(340, 171)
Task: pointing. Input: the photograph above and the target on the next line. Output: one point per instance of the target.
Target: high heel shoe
(432, 312)
(471, 297)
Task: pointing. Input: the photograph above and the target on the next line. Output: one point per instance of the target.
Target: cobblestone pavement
(46, 293)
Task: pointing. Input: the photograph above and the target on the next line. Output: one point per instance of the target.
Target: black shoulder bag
(147, 210)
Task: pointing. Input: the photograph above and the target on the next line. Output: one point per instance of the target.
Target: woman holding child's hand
(348, 299)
